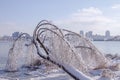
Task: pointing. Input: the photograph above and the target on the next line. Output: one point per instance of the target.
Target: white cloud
(87, 15)
(116, 6)
(88, 12)
(86, 19)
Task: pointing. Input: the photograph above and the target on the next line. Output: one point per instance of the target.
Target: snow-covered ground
(56, 74)
(35, 75)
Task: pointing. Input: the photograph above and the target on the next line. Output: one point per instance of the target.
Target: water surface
(112, 47)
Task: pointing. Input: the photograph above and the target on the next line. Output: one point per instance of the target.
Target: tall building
(107, 33)
(89, 35)
(82, 33)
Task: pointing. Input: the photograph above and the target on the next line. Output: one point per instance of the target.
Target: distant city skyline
(80, 32)
(75, 15)
(98, 37)
(89, 35)
(107, 32)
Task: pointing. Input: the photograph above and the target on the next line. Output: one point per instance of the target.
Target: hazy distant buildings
(82, 33)
(94, 37)
(97, 37)
(6, 38)
(14, 36)
(116, 38)
(89, 35)
(107, 35)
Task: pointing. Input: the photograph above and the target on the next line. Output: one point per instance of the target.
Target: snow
(56, 74)
(35, 75)
(79, 75)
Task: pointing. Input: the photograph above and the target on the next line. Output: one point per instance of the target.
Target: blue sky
(75, 15)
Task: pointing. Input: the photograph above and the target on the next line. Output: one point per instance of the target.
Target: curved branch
(85, 39)
(37, 32)
(54, 62)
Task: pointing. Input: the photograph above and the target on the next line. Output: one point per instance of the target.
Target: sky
(87, 15)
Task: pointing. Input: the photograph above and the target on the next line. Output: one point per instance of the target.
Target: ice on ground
(54, 74)
(35, 75)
